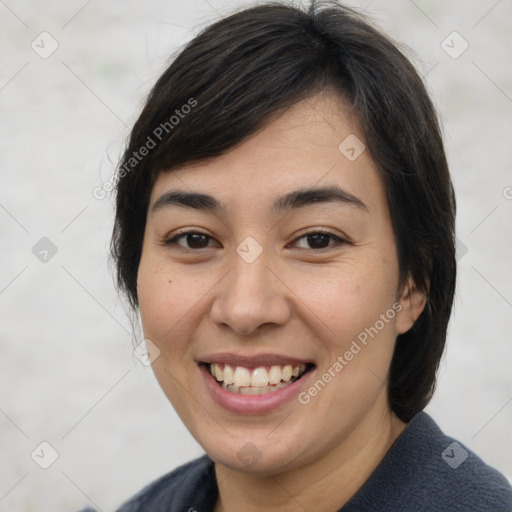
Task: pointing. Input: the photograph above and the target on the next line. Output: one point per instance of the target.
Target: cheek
(156, 303)
(350, 296)
(172, 301)
(163, 300)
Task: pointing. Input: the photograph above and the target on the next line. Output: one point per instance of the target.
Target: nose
(250, 297)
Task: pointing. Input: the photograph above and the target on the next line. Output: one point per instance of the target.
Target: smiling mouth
(256, 381)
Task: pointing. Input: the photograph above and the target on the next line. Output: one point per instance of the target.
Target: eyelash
(337, 240)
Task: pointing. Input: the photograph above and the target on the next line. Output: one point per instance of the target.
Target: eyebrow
(292, 200)
(309, 196)
(194, 200)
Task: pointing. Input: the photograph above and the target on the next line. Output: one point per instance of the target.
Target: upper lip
(252, 361)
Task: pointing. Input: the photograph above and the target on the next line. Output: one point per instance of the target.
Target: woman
(285, 227)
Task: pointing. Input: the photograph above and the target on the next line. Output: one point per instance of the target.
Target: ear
(413, 303)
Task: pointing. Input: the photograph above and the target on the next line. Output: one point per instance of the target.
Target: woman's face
(285, 263)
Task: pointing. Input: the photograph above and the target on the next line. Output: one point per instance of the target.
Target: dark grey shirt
(424, 471)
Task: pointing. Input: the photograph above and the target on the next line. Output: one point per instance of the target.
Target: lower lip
(252, 404)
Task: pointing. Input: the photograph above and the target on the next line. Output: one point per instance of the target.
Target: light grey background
(67, 372)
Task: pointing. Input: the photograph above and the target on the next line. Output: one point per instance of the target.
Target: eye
(318, 240)
(190, 240)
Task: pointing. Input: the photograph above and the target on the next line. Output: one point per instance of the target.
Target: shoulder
(456, 475)
(426, 470)
(187, 487)
(192, 485)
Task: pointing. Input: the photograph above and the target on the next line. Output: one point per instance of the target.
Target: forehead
(315, 143)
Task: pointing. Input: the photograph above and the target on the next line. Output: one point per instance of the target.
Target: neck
(346, 467)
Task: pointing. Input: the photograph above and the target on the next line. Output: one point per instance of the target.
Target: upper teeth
(255, 377)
